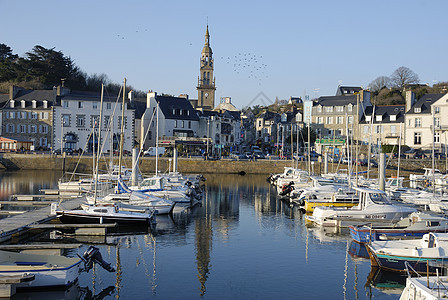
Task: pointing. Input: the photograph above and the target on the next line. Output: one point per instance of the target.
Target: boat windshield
(379, 198)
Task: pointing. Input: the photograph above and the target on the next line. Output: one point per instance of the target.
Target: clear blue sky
(278, 48)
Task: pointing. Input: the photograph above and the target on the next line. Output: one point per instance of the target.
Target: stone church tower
(206, 82)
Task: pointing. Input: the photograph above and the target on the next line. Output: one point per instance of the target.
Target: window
(437, 137)
(44, 115)
(320, 120)
(34, 104)
(259, 123)
(339, 108)
(33, 129)
(379, 118)
(80, 120)
(175, 123)
(339, 120)
(125, 123)
(65, 104)
(106, 121)
(319, 109)
(189, 124)
(366, 129)
(393, 129)
(329, 120)
(12, 115)
(10, 128)
(329, 109)
(417, 138)
(45, 104)
(43, 128)
(94, 121)
(80, 104)
(350, 120)
(437, 122)
(43, 142)
(108, 105)
(368, 118)
(66, 120)
(95, 105)
(11, 104)
(350, 107)
(418, 122)
(436, 109)
(33, 115)
(393, 117)
(379, 129)
(22, 104)
(417, 109)
(182, 124)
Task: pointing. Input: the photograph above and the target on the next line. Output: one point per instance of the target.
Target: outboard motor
(287, 188)
(93, 255)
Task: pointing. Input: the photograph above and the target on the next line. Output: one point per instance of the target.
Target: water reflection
(241, 241)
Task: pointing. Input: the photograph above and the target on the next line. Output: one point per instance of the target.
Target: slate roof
(139, 104)
(425, 103)
(167, 104)
(335, 100)
(347, 90)
(29, 96)
(90, 96)
(386, 111)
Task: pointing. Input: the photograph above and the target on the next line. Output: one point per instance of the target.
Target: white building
(176, 118)
(77, 114)
(429, 110)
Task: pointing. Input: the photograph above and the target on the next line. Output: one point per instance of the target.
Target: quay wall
(190, 165)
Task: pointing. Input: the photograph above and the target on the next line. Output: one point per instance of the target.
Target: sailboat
(110, 213)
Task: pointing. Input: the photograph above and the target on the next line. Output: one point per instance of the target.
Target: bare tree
(404, 76)
(379, 83)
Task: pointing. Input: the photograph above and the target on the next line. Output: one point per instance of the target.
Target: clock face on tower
(206, 95)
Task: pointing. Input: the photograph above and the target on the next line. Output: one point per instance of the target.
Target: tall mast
(99, 141)
(157, 137)
(120, 157)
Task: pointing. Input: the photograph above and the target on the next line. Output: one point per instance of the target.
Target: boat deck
(19, 223)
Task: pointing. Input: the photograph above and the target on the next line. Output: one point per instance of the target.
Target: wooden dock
(16, 225)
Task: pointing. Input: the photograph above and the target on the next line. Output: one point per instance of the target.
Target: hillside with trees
(43, 68)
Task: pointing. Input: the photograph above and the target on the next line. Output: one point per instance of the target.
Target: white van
(152, 151)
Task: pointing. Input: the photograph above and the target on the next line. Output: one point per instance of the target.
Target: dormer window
(319, 109)
(11, 104)
(34, 104)
(22, 103)
(350, 107)
(45, 104)
(368, 118)
(379, 118)
(417, 109)
(393, 117)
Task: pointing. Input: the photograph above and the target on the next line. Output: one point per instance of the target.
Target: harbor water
(242, 242)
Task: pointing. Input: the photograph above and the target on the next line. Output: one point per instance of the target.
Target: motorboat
(341, 197)
(414, 226)
(50, 271)
(428, 175)
(82, 185)
(425, 288)
(373, 206)
(427, 255)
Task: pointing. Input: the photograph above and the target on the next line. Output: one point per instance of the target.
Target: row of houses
(69, 120)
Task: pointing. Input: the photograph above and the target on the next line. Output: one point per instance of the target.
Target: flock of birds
(249, 65)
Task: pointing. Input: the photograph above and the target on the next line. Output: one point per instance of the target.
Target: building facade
(76, 122)
(27, 115)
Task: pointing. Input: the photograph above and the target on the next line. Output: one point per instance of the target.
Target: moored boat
(373, 206)
(414, 226)
(427, 255)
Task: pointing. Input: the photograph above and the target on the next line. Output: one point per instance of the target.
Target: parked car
(66, 150)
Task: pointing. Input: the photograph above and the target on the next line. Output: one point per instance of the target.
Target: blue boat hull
(364, 235)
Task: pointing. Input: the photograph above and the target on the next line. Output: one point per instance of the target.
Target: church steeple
(206, 82)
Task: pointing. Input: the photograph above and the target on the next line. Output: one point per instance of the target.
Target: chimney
(13, 90)
(62, 91)
(410, 99)
(131, 96)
